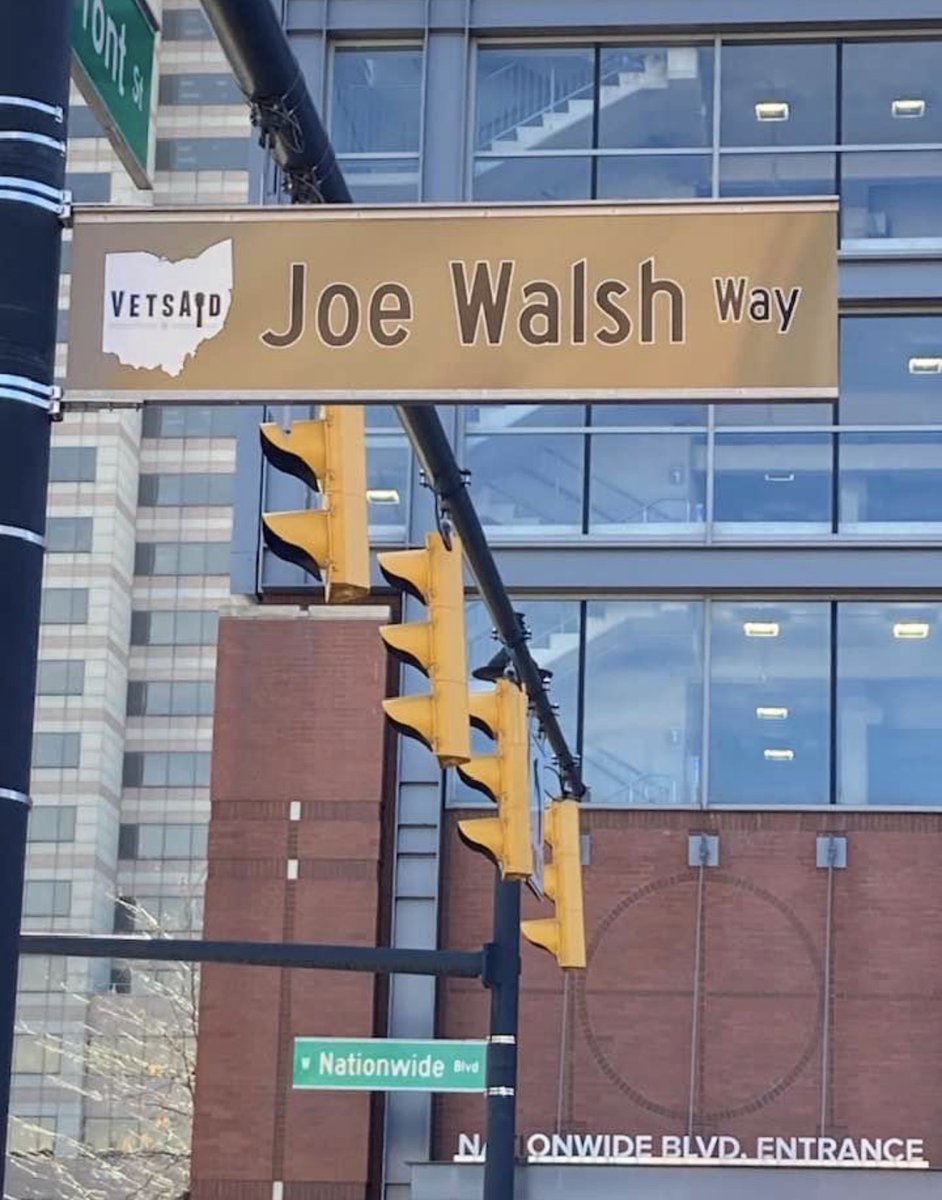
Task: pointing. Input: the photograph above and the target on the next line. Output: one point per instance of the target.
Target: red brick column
(297, 778)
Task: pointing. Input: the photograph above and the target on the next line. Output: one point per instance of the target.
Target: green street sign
(389, 1065)
(113, 65)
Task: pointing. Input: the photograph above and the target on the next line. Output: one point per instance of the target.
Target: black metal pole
(504, 982)
(377, 960)
(34, 91)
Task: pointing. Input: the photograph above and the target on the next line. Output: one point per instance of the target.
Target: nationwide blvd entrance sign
(390, 1065)
(696, 301)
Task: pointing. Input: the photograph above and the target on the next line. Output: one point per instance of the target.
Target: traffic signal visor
(436, 646)
(563, 935)
(332, 542)
(504, 776)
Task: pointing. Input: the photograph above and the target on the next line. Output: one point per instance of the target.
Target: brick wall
(758, 1068)
(297, 718)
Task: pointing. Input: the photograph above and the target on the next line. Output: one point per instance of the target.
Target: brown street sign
(694, 301)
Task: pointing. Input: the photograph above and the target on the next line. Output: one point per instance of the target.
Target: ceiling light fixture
(907, 109)
(771, 713)
(772, 110)
(925, 365)
(760, 628)
(382, 496)
(778, 754)
(913, 630)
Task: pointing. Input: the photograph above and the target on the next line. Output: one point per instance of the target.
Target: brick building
(742, 611)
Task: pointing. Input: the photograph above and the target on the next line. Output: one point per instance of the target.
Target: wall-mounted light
(772, 110)
(382, 496)
(925, 365)
(778, 754)
(907, 109)
(771, 713)
(914, 630)
(760, 628)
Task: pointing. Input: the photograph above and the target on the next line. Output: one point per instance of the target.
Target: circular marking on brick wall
(808, 989)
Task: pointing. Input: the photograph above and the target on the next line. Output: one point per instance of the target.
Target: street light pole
(34, 96)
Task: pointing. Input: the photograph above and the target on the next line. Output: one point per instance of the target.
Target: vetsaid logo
(158, 313)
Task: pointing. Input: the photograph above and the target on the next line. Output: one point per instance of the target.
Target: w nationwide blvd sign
(389, 1065)
(697, 301)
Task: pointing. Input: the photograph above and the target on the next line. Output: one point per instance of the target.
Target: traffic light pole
(34, 91)
(504, 982)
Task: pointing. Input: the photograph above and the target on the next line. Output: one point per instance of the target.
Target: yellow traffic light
(505, 777)
(564, 934)
(332, 542)
(433, 576)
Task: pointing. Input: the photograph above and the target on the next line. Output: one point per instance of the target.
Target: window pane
(68, 535)
(185, 25)
(778, 175)
(388, 463)
(648, 484)
(891, 195)
(89, 187)
(778, 95)
(52, 823)
(200, 88)
(528, 484)
(487, 417)
(39, 973)
(654, 98)
(47, 898)
(72, 464)
(382, 180)
(643, 702)
(877, 78)
(375, 100)
(770, 704)
(202, 154)
(659, 177)
(538, 99)
(524, 178)
(891, 484)
(890, 370)
(64, 677)
(779, 481)
(889, 682)
(648, 414)
(56, 749)
(64, 606)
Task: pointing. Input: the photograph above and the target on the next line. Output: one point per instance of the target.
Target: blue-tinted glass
(387, 463)
(657, 177)
(770, 703)
(891, 92)
(89, 187)
(643, 701)
(778, 175)
(539, 99)
(779, 480)
(649, 414)
(891, 195)
(774, 414)
(889, 683)
(527, 485)
(83, 123)
(382, 180)
(659, 97)
(778, 95)
(648, 484)
(376, 100)
(199, 88)
(523, 178)
(891, 370)
(494, 417)
(891, 483)
(202, 154)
